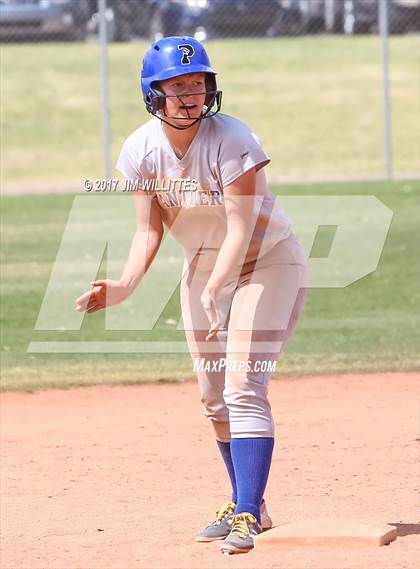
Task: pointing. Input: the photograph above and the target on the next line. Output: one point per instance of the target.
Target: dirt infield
(122, 477)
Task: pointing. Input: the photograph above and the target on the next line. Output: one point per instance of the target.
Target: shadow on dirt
(406, 529)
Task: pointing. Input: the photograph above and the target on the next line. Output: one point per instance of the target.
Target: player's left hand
(209, 302)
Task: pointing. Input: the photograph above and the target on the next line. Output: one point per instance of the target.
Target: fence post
(106, 136)
(384, 31)
(329, 16)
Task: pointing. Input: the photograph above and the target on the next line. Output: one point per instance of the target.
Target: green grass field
(372, 325)
(315, 102)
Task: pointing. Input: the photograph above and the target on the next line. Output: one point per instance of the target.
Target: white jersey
(222, 149)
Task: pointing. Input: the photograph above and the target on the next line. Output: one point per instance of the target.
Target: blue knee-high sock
(227, 457)
(251, 458)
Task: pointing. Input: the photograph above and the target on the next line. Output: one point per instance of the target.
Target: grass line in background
(315, 102)
(372, 325)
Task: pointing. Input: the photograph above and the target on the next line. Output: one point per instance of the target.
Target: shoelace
(226, 510)
(241, 524)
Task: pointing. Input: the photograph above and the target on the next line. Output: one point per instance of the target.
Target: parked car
(362, 16)
(152, 19)
(405, 16)
(203, 18)
(227, 18)
(41, 19)
(353, 16)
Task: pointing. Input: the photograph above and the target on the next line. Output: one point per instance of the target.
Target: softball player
(244, 280)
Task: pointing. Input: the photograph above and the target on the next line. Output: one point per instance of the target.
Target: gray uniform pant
(259, 312)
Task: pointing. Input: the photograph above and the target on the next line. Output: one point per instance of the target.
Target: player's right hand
(104, 293)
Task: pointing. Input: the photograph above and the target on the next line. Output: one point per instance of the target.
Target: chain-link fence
(306, 75)
(208, 19)
(43, 20)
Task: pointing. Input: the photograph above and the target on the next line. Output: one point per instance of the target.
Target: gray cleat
(240, 540)
(221, 526)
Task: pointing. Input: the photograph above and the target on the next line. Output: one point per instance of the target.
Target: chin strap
(179, 127)
(207, 113)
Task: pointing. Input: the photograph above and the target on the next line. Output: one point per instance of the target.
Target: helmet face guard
(171, 57)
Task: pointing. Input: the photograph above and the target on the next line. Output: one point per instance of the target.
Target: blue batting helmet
(170, 57)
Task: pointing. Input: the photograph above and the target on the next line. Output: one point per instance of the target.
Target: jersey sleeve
(240, 151)
(129, 161)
